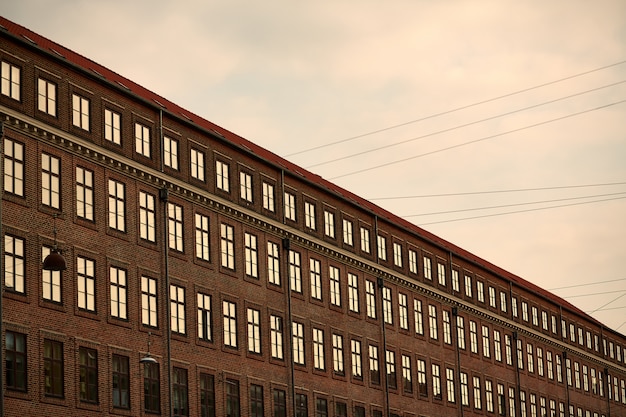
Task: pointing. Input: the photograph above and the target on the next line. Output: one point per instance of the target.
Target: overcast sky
(436, 97)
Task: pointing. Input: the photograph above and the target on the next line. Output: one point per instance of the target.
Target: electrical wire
(587, 284)
(606, 304)
(567, 116)
(592, 294)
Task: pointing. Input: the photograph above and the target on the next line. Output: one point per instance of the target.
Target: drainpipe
(564, 369)
(517, 375)
(164, 197)
(2, 362)
(455, 329)
(381, 286)
(292, 381)
(607, 391)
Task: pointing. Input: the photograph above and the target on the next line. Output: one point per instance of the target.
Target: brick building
(208, 276)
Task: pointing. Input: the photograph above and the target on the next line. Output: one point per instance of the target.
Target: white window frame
(290, 206)
(227, 246)
(175, 227)
(251, 251)
(112, 126)
(348, 237)
(11, 80)
(142, 140)
(170, 152)
(309, 215)
(329, 224)
(268, 197)
(118, 293)
(245, 186)
(147, 216)
(203, 239)
(84, 193)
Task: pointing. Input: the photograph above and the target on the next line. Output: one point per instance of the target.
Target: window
(268, 197)
(514, 306)
(117, 206)
(14, 263)
(118, 287)
(197, 164)
(175, 226)
(540, 361)
(177, 309)
(520, 355)
(86, 283)
(338, 354)
(441, 274)
(88, 375)
(202, 237)
(536, 317)
(329, 224)
(387, 313)
(460, 332)
(232, 398)
(290, 206)
(353, 292)
(503, 307)
(412, 261)
(397, 254)
(432, 322)
(50, 181)
(365, 240)
(11, 80)
(428, 268)
(382, 248)
(403, 311)
(245, 186)
(120, 374)
(417, 313)
(295, 273)
(492, 297)
(357, 361)
(478, 404)
(374, 365)
(450, 385)
(273, 263)
(335, 288)
(13, 167)
(544, 320)
(318, 349)
(497, 345)
(207, 395)
(302, 408)
(256, 401)
(112, 126)
(468, 286)
(84, 193)
(341, 409)
(407, 378)
(321, 407)
(254, 331)
(16, 361)
(524, 311)
(151, 388)
(436, 376)
(205, 328)
(47, 97)
(559, 371)
(316, 278)
(252, 255)
(473, 337)
(53, 368)
(465, 390)
(142, 140)
(489, 395)
(455, 281)
(229, 311)
(347, 232)
(147, 216)
(550, 366)
(486, 342)
(370, 298)
(276, 336)
(447, 328)
(227, 246)
(222, 176)
(280, 403)
(298, 343)
(480, 291)
(148, 301)
(80, 112)
(391, 369)
(522, 404)
(531, 361)
(170, 152)
(421, 378)
(309, 215)
(179, 392)
(585, 375)
(51, 280)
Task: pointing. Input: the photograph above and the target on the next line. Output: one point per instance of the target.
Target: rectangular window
(245, 186)
(175, 226)
(318, 349)
(280, 403)
(197, 164)
(520, 355)
(460, 331)
(302, 408)
(147, 217)
(370, 298)
(222, 176)
(374, 365)
(382, 247)
(544, 320)
(14, 263)
(205, 328)
(227, 246)
(207, 395)
(276, 336)
(338, 354)
(450, 385)
(397, 254)
(86, 284)
(50, 181)
(268, 197)
(473, 337)
(353, 292)
(16, 361)
(419, 320)
(489, 395)
(540, 361)
(229, 311)
(559, 370)
(432, 322)
(290, 206)
(170, 152)
(335, 288)
(256, 401)
(112, 126)
(536, 317)
(347, 232)
(47, 97)
(11, 78)
(387, 303)
(486, 342)
(180, 400)
(321, 407)
(316, 278)
(480, 291)
(407, 377)
(514, 311)
(142, 140)
(441, 274)
(13, 167)
(531, 361)
(503, 304)
(273, 263)
(436, 376)
(421, 378)
(497, 345)
(412, 261)
(80, 112)
(84, 193)
(295, 272)
(177, 309)
(120, 373)
(456, 286)
(478, 404)
(252, 255)
(403, 311)
(53, 368)
(117, 205)
(119, 289)
(357, 360)
(51, 280)
(309, 215)
(428, 270)
(468, 286)
(232, 398)
(492, 297)
(329, 224)
(151, 388)
(88, 375)
(298, 343)
(202, 237)
(464, 389)
(148, 301)
(390, 363)
(550, 365)
(254, 331)
(365, 240)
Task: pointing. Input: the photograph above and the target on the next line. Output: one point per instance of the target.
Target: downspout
(607, 390)
(381, 286)
(455, 313)
(164, 196)
(518, 389)
(564, 368)
(517, 373)
(292, 377)
(2, 362)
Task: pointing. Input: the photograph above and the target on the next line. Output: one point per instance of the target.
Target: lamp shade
(54, 261)
(147, 359)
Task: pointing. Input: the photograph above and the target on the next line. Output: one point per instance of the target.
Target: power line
(512, 205)
(456, 109)
(497, 191)
(592, 294)
(479, 140)
(587, 284)
(520, 211)
(462, 125)
(608, 309)
(606, 304)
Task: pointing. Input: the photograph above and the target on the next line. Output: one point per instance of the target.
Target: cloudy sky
(515, 110)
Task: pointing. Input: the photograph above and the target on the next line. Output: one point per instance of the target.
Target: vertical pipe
(381, 286)
(164, 196)
(2, 363)
(455, 329)
(289, 356)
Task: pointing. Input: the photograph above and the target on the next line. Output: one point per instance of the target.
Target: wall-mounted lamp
(55, 261)
(148, 358)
